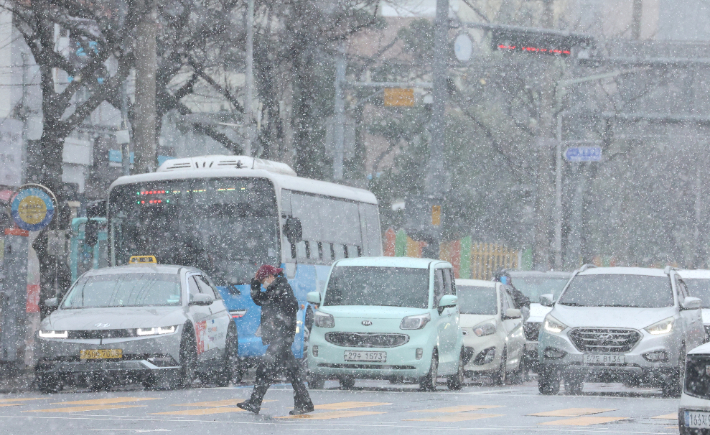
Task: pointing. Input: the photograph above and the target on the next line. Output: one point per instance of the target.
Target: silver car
(154, 324)
(698, 282)
(622, 324)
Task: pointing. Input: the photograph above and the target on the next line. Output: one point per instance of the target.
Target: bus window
(372, 234)
(338, 251)
(352, 251)
(328, 253)
(302, 250)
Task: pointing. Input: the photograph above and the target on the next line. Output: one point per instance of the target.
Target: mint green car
(389, 318)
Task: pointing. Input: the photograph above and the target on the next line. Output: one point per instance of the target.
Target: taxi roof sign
(143, 259)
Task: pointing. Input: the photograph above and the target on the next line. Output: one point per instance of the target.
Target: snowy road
(370, 408)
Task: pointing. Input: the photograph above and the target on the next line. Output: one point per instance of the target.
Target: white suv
(619, 324)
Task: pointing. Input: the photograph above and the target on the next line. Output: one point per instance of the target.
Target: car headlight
(415, 322)
(324, 320)
(487, 328)
(162, 330)
(53, 334)
(663, 327)
(553, 325)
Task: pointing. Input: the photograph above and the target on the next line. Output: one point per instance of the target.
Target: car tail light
(237, 314)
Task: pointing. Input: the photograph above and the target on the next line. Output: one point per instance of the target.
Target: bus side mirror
(293, 230)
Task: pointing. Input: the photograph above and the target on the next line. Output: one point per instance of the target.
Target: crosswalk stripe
(201, 411)
(666, 417)
(583, 421)
(572, 412)
(453, 417)
(107, 401)
(349, 405)
(85, 408)
(332, 415)
(462, 408)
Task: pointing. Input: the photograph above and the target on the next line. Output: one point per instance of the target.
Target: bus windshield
(224, 226)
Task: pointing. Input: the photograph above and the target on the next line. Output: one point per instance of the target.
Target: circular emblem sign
(32, 209)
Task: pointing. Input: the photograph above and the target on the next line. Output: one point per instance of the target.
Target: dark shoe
(248, 406)
(299, 410)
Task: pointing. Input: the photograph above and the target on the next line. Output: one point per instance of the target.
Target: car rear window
(616, 290)
(477, 300)
(124, 290)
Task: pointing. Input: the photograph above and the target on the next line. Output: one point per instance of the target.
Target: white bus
(228, 215)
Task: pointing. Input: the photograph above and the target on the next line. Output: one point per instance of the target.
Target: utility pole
(435, 181)
(125, 145)
(249, 79)
(339, 124)
(146, 67)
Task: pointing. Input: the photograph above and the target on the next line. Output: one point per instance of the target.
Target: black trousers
(279, 359)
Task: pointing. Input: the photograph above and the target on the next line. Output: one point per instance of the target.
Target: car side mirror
(512, 313)
(448, 301)
(51, 303)
(547, 300)
(201, 299)
(691, 303)
(293, 230)
(313, 298)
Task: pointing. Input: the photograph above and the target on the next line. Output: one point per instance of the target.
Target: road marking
(666, 417)
(453, 418)
(349, 405)
(332, 415)
(462, 408)
(201, 411)
(108, 401)
(583, 421)
(218, 403)
(572, 412)
(85, 408)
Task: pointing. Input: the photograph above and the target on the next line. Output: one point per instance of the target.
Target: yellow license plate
(101, 354)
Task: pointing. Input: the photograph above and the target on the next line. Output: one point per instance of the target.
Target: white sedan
(494, 341)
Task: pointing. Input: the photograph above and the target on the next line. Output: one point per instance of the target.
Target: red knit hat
(265, 270)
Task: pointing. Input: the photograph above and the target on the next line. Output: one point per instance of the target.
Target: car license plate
(353, 355)
(101, 354)
(697, 419)
(604, 359)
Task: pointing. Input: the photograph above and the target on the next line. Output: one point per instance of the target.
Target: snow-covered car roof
(537, 273)
(623, 271)
(694, 274)
(475, 283)
(156, 268)
(414, 263)
(702, 349)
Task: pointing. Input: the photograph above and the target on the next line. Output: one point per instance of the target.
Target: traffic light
(538, 41)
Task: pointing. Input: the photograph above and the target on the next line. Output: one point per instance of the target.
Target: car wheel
(428, 382)
(548, 381)
(347, 382)
(316, 382)
(188, 359)
(48, 383)
(673, 384)
(500, 377)
(231, 359)
(456, 381)
(574, 385)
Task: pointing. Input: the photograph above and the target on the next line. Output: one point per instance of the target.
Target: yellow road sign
(399, 97)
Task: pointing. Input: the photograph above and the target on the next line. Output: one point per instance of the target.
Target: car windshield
(699, 288)
(616, 290)
(224, 226)
(124, 290)
(535, 286)
(477, 300)
(378, 286)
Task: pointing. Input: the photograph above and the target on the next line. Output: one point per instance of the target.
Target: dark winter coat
(279, 309)
(519, 298)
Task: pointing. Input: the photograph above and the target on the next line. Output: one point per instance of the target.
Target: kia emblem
(366, 323)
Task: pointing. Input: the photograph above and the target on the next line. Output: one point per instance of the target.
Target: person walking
(279, 308)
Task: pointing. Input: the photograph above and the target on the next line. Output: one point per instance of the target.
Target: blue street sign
(583, 154)
(32, 209)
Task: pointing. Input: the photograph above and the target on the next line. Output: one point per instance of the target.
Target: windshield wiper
(572, 304)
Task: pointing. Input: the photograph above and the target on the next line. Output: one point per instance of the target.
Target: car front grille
(362, 339)
(532, 330)
(697, 376)
(92, 334)
(600, 340)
